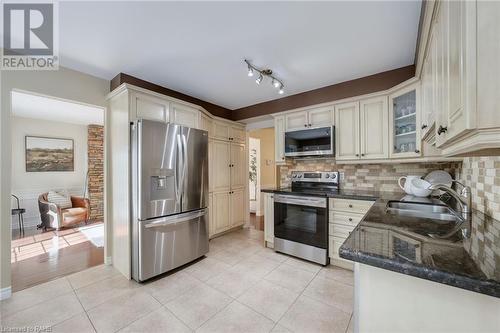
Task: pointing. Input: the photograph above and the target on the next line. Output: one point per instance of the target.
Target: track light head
(250, 71)
(281, 91)
(276, 83)
(259, 79)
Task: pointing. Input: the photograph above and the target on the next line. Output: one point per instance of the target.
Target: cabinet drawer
(335, 243)
(351, 219)
(350, 206)
(339, 230)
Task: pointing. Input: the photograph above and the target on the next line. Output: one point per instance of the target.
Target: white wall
(28, 185)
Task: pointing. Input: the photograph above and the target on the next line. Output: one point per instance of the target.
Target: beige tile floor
(239, 287)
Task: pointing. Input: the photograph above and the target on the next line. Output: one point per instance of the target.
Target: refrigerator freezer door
(158, 167)
(169, 242)
(194, 172)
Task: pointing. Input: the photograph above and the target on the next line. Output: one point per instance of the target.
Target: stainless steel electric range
(301, 216)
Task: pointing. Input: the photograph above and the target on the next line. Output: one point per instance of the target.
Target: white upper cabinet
(184, 115)
(149, 107)
(237, 134)
(374, 123)
(318, 117)
(404, 116)
(296, 121)
(205, 123)
(220, 130)
(279, 139)
(347, 136)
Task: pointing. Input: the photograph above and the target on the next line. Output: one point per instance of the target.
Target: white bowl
(420, 187)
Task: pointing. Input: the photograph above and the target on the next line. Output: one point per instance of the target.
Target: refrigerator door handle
(180, 166)
(171, 220)
(184, 166)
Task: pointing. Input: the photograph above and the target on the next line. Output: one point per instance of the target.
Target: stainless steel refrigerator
(169, 168)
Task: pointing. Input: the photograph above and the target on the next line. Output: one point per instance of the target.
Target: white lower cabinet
(211, 225)
(220, 207)
(269, 219)
(237, 207)
(343, 216)
(228, 210)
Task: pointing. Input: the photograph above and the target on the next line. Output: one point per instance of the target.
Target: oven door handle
(301, 201)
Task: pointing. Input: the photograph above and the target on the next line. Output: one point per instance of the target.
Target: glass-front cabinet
(404, 121)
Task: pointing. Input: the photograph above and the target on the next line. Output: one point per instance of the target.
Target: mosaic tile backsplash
(377, 177)
(482, 174)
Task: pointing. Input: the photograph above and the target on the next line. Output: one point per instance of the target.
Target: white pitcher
(407, 186)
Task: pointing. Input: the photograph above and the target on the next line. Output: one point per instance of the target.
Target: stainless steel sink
(424, 210)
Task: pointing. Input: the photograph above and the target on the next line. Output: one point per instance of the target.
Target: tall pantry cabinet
(228, 176)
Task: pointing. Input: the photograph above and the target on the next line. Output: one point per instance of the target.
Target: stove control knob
(327, 175)
(294, 176)
(334, 176)
(300, 176)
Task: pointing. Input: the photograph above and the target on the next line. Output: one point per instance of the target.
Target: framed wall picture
(49, 154)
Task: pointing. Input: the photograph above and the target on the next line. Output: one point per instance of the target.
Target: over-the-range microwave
(310, 142)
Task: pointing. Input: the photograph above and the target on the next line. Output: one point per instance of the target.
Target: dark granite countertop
(422, 247)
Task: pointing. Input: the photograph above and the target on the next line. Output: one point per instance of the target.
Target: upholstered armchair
(55, 217)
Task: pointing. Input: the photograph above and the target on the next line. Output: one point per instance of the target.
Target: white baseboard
(108, 261)
(5, 293)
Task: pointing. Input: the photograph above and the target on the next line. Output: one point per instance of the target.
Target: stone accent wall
(379, 177)
(482, 174)
(95, 151)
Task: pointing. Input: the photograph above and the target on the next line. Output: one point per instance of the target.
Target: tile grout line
(84, 311)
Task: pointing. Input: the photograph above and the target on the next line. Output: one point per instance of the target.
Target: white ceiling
(198, 47)
(40, 107)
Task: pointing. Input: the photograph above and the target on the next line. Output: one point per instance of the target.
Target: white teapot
(407, 186)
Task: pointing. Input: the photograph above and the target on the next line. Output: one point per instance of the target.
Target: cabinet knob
(424, 126)
(350, 206)
(442, 129)
(362, 154)
(350, 219)
(310, 125)
(417, 151)
(283, 158)
(357, 155)
(305, 125)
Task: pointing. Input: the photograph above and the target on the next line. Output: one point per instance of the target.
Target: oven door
(301, 219)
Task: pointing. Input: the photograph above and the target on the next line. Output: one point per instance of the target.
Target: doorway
(57, 188)
(262, 171)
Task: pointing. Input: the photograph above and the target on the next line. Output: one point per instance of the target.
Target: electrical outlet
(341, 174)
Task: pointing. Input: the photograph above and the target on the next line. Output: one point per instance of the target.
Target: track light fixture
(265, 72)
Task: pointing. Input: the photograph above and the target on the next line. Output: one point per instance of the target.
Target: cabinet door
(149, 107)
(441, 76)
(456, 117)
(427, 110)
(296, 121)
(184, 115)
(205, 123)
(269, 217)
(279, 140)
(237, 134)
(239, 168)
(320, 117)
(237, 207)
(347, 131)
(404, 116)
(221, 215)
(220, 130)
(374, 123)
(221, 156)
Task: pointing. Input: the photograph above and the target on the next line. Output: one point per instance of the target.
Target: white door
(221, 160)
(279, 140)
(184, 115)
(237, 207)
(254, 174)
(149, 107)
(320, 117)
(347, 131)
(221, 215)
(239, 168)
(374, 128)
(296, 121)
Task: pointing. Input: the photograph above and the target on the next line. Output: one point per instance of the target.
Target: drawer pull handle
(350, 206)
(350, 219)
